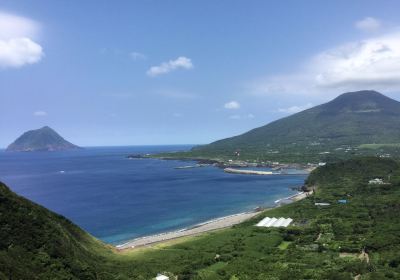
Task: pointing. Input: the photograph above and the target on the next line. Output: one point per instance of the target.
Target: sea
(117, 199)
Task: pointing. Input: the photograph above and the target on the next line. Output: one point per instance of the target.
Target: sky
(105, 73)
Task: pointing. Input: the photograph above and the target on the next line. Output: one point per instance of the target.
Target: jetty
(248, 172)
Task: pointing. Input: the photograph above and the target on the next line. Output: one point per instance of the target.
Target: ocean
(116, 199)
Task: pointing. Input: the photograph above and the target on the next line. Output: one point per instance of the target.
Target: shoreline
(200, 228)
(248, 172)
(207, 226)
(229, 163)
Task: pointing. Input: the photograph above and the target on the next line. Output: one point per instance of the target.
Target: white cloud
(137, 56)
(294, 109)
(40, 114)
(16, 26)
(166, 67)
(232, 105)
(368, 24)
(17, 46)
(241, 117)
(373, 63)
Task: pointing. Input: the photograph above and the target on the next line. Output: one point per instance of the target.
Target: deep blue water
(116, 199)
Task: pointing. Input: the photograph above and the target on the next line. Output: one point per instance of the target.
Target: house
(376, 181)
(161, 277)
(322, 204)
(343, 201)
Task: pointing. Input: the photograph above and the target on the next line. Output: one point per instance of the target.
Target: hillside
(42, 139)
(338, 241)
(336, 128)
(38, 244)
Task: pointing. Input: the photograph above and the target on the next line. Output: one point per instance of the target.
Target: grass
(31, 238)
(284, 245)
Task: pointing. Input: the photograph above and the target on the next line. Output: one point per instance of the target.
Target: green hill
(43, 139)
(38, 244)
(335, 128)
(324, 242)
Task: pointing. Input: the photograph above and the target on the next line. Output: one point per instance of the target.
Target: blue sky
(175, 72)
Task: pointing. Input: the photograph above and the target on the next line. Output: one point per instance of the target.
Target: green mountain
(38, 244)
(350, 120)
(359, 239)
(43, 139)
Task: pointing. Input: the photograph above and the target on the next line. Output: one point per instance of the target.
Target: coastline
(198, 229)
(230, 163)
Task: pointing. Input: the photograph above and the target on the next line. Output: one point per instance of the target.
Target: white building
(162, 277)
(376, 181)
(274, 222)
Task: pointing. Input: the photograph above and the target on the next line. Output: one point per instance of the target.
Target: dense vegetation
(327, 132)
(42, 139)
(38, 244)
(324, 242)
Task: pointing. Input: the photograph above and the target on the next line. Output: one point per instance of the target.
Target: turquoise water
(116, 199)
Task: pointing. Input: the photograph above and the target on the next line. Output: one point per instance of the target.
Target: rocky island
(42, 139)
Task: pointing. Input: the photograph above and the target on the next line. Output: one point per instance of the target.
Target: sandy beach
(219, 223)
(211, 225)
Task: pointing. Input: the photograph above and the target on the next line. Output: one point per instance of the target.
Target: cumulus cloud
(368, 24)
(232, 105)
(294, 109)
(40, 114)
(17, 46)
(166, 67)
(373, 63)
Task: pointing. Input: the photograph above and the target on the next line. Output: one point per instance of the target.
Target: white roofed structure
(287, 222)
(279, 222)
(162, 277)
(274, 222)
(263, 222)
(270, 222)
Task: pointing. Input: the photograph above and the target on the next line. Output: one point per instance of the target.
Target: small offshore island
(200, 140)
(44, 139)
(342, 224)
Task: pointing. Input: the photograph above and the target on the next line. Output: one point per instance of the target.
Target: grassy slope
(370, 220)
(349, 120)
(38, 244)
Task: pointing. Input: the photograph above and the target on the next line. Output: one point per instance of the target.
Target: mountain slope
(338, 241)
(36, 243)
(351, 119)
(43, 139)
